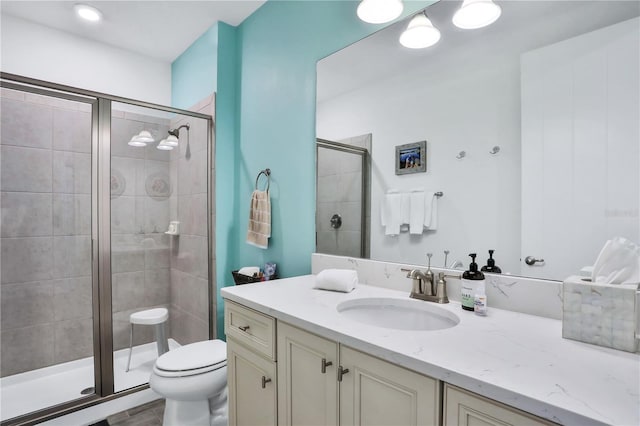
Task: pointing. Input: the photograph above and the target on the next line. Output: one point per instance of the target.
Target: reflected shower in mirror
(531, 125)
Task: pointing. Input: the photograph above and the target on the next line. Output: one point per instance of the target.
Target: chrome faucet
(425, 287)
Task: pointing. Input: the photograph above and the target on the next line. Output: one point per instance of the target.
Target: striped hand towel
(259, 219)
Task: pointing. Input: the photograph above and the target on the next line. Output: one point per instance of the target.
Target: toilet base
(186, 413)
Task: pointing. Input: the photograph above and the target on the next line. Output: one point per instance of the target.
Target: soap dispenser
(491, 265)
(472, 280)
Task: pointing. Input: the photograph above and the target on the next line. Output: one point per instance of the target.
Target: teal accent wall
(227, 227)
(264, 75)
(194, 73)
(279, 46)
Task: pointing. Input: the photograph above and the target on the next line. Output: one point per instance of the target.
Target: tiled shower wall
(45, 232)
(190, 299)
(140, 263)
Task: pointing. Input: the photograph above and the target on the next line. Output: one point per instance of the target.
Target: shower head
(172, 140)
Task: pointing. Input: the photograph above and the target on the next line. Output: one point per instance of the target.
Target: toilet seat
(193, 359)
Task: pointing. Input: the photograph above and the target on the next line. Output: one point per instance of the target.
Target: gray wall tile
(71, 256)
(157, 286)
(186, 328)
(25, 349)
(73, 339)
(26, 124)
(25, 169)
(71, 214)
(26, 304)
(123, 215)
(25, 214)
(128, 291)
(71, 130)
(26, 259)
(72, 298)
(71, 172)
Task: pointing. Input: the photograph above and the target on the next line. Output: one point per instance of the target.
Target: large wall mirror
(532, 130)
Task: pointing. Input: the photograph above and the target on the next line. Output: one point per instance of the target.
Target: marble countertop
(518, 359)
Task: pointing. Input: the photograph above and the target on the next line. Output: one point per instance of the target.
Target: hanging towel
(430, 211)
(416, 211)
(391, 212)
(259, 219)
(405, 211)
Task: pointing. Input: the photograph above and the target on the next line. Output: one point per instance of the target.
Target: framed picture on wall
(411, 158)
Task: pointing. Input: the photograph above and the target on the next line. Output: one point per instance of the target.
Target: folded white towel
(259, 229)
(416, 212)
(430, 211)
(343, 280)
(391, 212)
(249, 271)
(617, 263)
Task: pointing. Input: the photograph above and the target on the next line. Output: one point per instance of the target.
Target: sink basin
(398, 314)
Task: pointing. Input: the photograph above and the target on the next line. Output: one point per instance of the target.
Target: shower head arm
(176, 132)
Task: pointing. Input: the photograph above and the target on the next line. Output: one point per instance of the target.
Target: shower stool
(157, 317)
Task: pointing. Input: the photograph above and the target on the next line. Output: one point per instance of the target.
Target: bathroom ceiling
(158, 29)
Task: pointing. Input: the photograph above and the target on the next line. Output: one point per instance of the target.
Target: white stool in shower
(157, 317)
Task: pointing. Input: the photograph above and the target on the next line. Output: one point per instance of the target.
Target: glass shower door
(46, 187)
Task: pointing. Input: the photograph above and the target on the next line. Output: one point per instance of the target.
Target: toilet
(193, 380)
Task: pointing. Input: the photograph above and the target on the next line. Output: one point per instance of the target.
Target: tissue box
(601, 314)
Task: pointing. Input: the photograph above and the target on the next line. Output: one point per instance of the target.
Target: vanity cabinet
(307, 380)
(251, 367)
(463, 408)
(323, 383)
(376, 392)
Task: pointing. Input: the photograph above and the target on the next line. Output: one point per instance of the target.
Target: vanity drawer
(251, 328)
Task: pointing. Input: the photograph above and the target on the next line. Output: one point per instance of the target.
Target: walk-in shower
(85, 241)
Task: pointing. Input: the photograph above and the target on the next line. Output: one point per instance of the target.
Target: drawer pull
(265, 381)
(324, 365)
(342, 372)
(244, 327)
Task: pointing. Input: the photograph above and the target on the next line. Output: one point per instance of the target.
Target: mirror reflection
(531, 129)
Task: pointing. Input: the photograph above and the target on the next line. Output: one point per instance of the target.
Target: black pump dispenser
(473, 273)
(491, 265)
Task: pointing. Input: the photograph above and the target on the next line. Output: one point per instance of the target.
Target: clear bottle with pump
(472, 279)
(491, 265)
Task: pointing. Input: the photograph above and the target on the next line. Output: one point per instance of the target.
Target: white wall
(40, 52)
(453, 111)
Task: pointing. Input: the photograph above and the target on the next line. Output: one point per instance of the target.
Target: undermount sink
(398, 314)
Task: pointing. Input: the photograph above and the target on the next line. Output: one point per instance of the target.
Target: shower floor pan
(37, 389)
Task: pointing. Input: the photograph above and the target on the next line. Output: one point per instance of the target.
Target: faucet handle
(429, 260)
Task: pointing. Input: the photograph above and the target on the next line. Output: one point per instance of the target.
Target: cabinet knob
(265, 381)
(244, 327)
(341, 372)
(324, 365)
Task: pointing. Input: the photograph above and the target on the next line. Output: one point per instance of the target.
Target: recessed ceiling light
(88, 13)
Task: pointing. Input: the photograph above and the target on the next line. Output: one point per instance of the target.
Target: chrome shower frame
(101, 234)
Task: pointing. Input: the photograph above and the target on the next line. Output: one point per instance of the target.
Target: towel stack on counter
(414, 211)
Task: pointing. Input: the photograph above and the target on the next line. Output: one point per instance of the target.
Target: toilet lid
(193, 356)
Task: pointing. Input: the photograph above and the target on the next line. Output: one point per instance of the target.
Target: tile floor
(149, 414)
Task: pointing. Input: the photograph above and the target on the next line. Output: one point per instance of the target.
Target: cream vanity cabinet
(321, 382)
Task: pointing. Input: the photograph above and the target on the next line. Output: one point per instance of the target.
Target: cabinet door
(307, 383)
(252, 387)
(462, 408)
(375, 392)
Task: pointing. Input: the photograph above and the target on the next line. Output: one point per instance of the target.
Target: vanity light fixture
(141, 139)
(171, 140)
(420, 33)
(88, 13)
(379, 11)
(476, 14)
(163, 146)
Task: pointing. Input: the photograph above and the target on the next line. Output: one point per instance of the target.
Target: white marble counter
(518, 359)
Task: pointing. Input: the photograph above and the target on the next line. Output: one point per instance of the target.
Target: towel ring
(267, 173)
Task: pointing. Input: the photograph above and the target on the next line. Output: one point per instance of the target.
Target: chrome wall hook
(461, 155)
(494, 150)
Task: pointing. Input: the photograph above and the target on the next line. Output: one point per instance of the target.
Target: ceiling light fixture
(476, 14)
(88, 13)
(379, 11)
(141, 139)
(420, 33)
